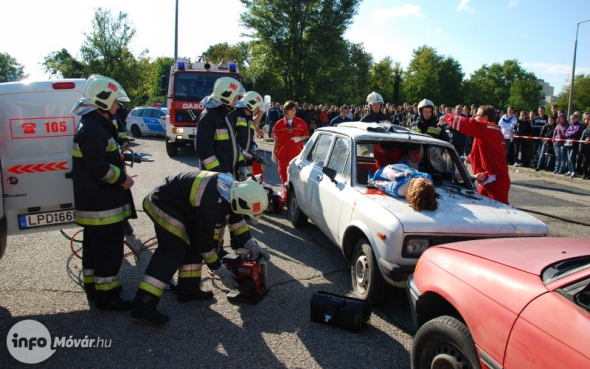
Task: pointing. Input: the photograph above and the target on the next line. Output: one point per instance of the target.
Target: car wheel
(296, 216)
(171, 148)
(444, 342)
(135, 131)
(367, 282)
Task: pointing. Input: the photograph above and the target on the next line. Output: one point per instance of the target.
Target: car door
(333, 195)
(151, 121)
(161, 116)
(551, 332)
(317, 157)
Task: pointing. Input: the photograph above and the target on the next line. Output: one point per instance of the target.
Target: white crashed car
(382, 236)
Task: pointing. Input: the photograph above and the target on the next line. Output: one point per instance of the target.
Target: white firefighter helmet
(251, 100)
(226, 89)
(102, 91)
(425, 103)
(248, 198)
(374, 98)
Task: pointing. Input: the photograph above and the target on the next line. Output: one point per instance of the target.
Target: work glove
(227, 277)
(255, 250)
(262, 108)
(273, 157)
(296, 139)
(243, 173)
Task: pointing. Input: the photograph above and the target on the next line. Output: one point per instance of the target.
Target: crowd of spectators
(533, 139)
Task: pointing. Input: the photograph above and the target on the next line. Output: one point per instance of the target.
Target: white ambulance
(36, 133)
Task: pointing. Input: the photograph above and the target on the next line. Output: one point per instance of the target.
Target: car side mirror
(331, 173)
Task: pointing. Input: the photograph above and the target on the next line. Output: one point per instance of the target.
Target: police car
(382, 236)
(147, 120)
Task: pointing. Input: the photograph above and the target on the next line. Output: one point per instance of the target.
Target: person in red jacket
(289, 134)
(488, 152)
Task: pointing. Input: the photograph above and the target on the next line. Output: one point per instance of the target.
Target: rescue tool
(250, 274)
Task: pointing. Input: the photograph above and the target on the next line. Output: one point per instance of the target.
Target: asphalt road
(39, 279)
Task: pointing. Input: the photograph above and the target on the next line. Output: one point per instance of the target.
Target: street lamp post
(569, 106)
(176, 35)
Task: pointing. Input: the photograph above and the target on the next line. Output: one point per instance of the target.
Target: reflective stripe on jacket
(189, 206)
(97, 173)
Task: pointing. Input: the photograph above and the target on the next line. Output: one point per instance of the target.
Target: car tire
(171, 148)
(367, 282)
(444, 342)
(135, 131)
(296, 216)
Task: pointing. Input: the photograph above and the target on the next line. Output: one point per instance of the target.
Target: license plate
(49, 218)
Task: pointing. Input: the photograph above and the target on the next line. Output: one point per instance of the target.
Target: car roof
(360, 131)
(529, 254)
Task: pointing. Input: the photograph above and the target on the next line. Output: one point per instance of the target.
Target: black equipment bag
(340, 311)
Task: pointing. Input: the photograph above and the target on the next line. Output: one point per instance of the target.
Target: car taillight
(63, 85)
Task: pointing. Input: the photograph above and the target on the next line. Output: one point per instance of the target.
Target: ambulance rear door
(36, 134)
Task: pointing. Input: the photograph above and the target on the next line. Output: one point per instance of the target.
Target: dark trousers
(171, 254)
(509, 151)
(102, 249)
(586, 162)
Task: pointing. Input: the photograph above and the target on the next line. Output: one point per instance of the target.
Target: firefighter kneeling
(186, 208)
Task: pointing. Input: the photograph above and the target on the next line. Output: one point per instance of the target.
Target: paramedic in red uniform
(289, 134)
(488, 152)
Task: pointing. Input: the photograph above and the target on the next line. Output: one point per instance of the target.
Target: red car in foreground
(511, 303)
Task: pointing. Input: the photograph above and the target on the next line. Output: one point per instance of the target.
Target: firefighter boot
(145, 308)
(189, 289)
(111, 299)
(89, 289)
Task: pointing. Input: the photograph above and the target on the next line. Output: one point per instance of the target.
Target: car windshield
(441, 162)
(195, 86)
(565, 267)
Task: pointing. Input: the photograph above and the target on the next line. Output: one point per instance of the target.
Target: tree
(10, 69)
(355, 74)
(504, 85)
(580, 97)
(382, 79)
(62, 64)
(158, 68)
(240, 53)
(434, 77)
(451, 82)
(106, 51)
(302, 39)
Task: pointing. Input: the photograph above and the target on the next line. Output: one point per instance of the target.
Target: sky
(540, 34)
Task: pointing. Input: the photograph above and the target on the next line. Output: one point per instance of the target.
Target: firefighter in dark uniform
(427, 123)
(186, 208)
(375, 102)
(245, 118)
(123, 141)
(101, 192)
(215, 141)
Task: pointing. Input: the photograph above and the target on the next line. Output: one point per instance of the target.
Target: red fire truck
(188, 83)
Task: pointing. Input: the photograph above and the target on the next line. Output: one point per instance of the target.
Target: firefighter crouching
(186, 208)
(101, 192)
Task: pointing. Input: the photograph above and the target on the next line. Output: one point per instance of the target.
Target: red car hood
(531, 254)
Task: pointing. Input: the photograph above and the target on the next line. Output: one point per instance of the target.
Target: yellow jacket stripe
(103, 217)
(199, 187)
(165, 221)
